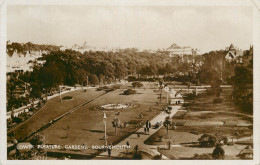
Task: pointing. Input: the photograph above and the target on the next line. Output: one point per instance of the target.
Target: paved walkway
(135, 140)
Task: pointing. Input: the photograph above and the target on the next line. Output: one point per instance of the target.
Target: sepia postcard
(88, 81)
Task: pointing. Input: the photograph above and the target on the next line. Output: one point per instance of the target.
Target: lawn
(204, 117)
(85, 126)
(52, 109)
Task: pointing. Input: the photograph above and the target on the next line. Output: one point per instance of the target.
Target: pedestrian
(127, 143)
(147, 124)
(150, 125)
(138, 134)
(109, 151)
(144, 129)
(148, 129)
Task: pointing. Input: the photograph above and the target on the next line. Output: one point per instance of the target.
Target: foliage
(115, 123)
(93, 79)
(129, 92)
(157, 157)
(137, 84)
(217, 100)
(218, 152)
(207, 140)
(37, 139)
(167, 122)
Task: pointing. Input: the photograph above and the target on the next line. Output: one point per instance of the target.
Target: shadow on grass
(96, 131)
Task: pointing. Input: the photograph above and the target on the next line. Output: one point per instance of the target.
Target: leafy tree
(218, 152)
(115, 123)
(207, 140)
(50, 76)
(101, 79)
(167, 122)
(93, 79)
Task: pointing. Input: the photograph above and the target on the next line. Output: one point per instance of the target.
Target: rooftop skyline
(205, 28)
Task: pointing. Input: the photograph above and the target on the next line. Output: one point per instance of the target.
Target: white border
(256, 41)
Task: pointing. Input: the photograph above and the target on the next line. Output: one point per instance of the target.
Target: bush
(217, 100)
(67, 98)
(137, 84)
(129, 92)
(190, 96)
(218, 152)
(17, 120)
(157, 157)
(117, 86)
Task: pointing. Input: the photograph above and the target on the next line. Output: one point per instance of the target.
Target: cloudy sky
(144, 27)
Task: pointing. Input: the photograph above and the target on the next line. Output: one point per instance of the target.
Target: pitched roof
(231, 47)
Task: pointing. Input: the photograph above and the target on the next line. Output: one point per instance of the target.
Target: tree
(218, 152)
(115, 123)
(35, 92)
(167, 122)
(101, 79)
(207, 140)
(93, 79)
(50, 76)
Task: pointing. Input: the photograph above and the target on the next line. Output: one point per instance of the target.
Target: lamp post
(60, 93)
(105, 122)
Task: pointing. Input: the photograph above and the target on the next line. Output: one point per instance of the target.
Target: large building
(18, 62)
(234, 54)
(174, 49)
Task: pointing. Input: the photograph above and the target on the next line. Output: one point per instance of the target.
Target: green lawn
(52, 109)
(86, 125)
(204, 117)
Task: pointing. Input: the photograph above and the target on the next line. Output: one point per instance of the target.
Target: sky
(143, 27)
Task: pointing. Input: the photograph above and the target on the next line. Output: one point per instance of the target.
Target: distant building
(174, 49)
(234, 54)
(18, 62)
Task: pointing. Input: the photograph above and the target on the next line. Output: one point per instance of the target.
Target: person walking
(150, 125)
(144, 129)
(109, 151)
(127, 143)
(147, 124)
(148, 129)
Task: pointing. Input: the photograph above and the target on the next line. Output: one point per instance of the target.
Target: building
(174, 49)
(234, 54)
(18, 62)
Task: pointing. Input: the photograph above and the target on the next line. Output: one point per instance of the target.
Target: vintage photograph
(137, 82)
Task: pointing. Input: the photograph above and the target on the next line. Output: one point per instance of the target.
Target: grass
(86, 125)
(204, 117)
(51, 110)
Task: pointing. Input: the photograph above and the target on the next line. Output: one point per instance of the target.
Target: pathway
(135, 140)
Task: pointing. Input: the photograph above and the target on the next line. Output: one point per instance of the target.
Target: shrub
(218, 153)
(190, 96)
(217, 100)
(117, 86)
(17, 120)
(137, 84)
(157, 157)
(67, 98)
(137, 156)
(129, 92)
